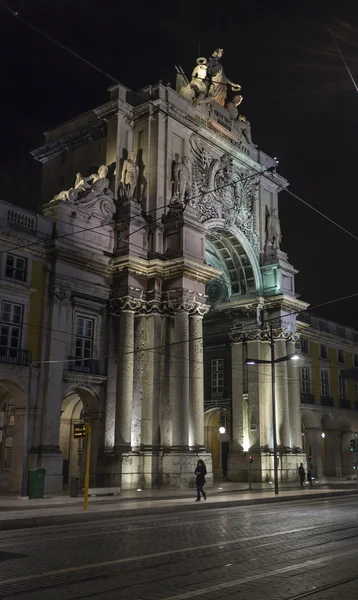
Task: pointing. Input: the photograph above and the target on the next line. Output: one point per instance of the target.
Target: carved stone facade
(161, 257)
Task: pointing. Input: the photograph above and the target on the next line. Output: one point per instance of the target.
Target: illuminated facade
(162, 274)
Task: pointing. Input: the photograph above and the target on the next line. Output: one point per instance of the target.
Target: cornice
(165, 268)
(159, 307)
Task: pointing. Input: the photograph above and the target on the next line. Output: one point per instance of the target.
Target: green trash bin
(36, 485)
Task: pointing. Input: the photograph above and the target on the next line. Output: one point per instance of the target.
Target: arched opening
(240, 271)
(80, 405)
(12, 420)
(329, 447)
(348, 458)
(218, 444)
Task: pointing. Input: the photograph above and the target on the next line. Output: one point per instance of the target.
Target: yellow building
(329, 403)
(22, 305)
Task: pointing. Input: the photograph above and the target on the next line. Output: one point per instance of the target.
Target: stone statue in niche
(208, 81)
(87, 188)
(241, 125)
(130, 173)
(181, 180)
(273, 230)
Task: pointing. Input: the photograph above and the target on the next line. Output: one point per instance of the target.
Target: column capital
(157, 307)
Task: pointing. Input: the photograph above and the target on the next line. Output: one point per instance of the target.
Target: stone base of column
(151, 469)
(262, 467)
(49, 458)
(179, 449)
(179, 468)
(121, 449)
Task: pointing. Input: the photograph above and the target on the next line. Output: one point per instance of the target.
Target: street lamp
(273, 362)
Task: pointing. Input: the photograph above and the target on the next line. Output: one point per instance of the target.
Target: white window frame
(306, 381)
(217, 376)
(86, 318)
(340, 362)
(9, 280)
(305, 340)
(326, 383)
(15, 268)
(10, 325)
(342, 384)
(326, 347)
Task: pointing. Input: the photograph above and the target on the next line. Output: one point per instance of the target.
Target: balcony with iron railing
(89, 366)
(308, 399)
(327, 401)
(345, 403)
(15, 356)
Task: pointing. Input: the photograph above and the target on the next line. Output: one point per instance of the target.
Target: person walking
(301, 472)
(200, 473)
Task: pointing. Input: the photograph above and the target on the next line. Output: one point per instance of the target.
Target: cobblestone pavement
(273, 552)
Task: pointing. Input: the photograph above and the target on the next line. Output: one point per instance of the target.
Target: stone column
(237, 368)
(125, 364)
(151, 382)
(138, 373)
(313, 439)
(294, 398)
(180, 373)
(196, 378)
(282, 411)
(110, 415)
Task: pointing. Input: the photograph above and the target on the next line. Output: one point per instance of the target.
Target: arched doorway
(348, 458)
(80, 405)
(12, 419)
(330, 447)
(216, 443)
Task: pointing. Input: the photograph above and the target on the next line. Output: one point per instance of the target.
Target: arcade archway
(79, 405)
(12, 416)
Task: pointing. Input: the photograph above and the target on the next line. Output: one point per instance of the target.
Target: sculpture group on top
(209, 84)
(208, 81)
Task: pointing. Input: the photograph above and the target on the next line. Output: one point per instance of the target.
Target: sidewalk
(18, 513)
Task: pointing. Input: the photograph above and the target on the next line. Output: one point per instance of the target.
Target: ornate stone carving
(208, 81)
(241, 124)
(130, 173)
(273, 231)
(160, 307)
(91, 193)
(181, 180)
(263, 334)
(219, 191)
(61, 293)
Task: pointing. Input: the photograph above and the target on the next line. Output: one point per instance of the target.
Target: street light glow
(323, 435)
(295, 357)
(222, 429)
(250, 362)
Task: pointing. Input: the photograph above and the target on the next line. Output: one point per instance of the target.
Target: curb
(77, 518)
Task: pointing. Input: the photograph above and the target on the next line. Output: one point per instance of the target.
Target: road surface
(286, 551)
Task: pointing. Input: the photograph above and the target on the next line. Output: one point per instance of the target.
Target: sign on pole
(80, 430)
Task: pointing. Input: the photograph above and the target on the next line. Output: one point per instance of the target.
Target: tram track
(323, 588)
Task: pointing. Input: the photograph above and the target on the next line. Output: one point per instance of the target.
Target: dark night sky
(298, 97)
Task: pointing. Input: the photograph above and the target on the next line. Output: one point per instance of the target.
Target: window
(342, 388)
(341, 356)
(323, 352)
(305, 380)
(355, 360)
(11, 323)
(16, 267)
(84, 337)
(304, 346)
(324, 384)
(7, 453)
(217, 376)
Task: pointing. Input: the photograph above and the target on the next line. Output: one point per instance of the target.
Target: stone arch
(330, 446)
(228, 250)
(307, 423)
(214, 441)
(347, 431)
(12, 411)
(80, 404)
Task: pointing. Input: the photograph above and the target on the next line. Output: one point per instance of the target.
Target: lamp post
(273, 362)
